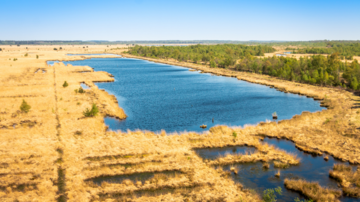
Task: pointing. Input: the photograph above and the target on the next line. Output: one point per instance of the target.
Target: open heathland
(53, 151)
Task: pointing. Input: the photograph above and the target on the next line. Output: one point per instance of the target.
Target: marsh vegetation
(53, 153)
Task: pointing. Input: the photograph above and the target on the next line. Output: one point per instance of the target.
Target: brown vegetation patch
(313, 190)
(349, 179)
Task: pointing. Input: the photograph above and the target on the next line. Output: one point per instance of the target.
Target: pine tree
(25, 107)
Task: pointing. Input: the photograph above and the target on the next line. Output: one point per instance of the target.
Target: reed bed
(313, 190)
(348, 178)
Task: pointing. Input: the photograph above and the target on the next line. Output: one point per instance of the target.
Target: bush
(55, 49)
(234, 134)
(25, 107)
(26, 54)
(0, 49)
(37, 57)
(270, 194)
(81, 90)
(91, 113)
(65, 84)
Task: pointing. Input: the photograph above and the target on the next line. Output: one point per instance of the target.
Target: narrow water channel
(253, 176)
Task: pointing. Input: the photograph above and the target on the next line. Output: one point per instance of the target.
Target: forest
(344, 49)
(224, 55)
(316, 70)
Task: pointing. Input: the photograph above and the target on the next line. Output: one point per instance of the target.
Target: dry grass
(53, 152)
(349, 179)
(313, 190)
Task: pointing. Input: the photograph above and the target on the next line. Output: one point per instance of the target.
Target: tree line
(344, 49)
(316, 70)
(224, 55)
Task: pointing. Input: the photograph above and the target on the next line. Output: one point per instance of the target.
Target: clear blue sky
(179, 20)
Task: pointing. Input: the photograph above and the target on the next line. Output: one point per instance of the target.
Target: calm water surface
(158, 96)
(253, 176)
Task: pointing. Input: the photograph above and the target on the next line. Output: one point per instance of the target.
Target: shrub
(25, 107)
(37, 57)
(81, 90)
(91, 113)
(234, 134)
(26, 54)
(0, 49)
(55, 49)
(78, 132)
(278, 164)
(270, 194)
(65, 84)
(298, 200)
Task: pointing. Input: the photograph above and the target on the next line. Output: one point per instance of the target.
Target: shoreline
(62, 152)
(283, 86)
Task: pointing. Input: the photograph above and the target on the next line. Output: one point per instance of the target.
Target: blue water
(158, 96)
(214, 153)
(84, 86)
(89, 54)
(253, 176)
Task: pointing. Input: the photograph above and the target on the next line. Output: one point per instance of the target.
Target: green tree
(81, 90)
(212, 64)
(25, 107)
(65, 84)
(270, 194)
(326, 78)
(354, 83)
(91, 112)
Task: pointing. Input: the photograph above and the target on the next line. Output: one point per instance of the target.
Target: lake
(160, 96)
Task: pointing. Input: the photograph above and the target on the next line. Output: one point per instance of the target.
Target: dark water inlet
(158, 96)
(311, 168)
(133, 177)
(214, 153)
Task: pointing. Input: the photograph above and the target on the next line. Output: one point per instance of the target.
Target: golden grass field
(282, 49)
(53, 152)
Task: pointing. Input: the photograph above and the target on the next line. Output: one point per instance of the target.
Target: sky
(113, 20)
